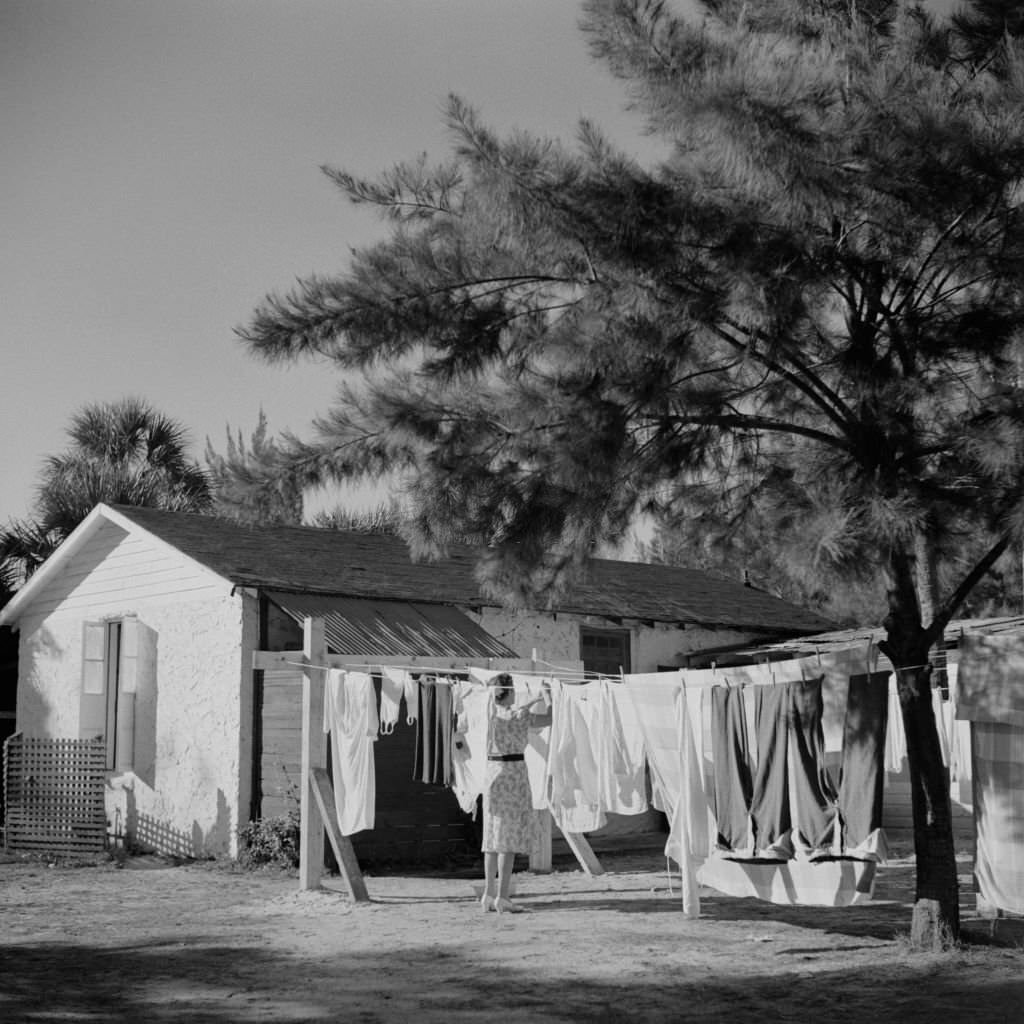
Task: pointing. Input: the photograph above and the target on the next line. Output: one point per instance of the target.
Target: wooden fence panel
(53, 794)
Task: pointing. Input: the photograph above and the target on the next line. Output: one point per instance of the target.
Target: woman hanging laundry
(508, 816)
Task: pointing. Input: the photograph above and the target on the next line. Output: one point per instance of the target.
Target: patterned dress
(508, 820)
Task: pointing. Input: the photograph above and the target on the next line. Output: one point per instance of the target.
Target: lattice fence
(53, 794)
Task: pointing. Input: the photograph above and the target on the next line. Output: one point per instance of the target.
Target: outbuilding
(143, 626)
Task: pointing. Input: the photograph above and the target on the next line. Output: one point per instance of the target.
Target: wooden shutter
(127, 681)
(92, 719)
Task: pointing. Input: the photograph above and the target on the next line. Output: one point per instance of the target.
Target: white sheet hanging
(350, 716)
(469, 753)
(622, 762)
(575, 794)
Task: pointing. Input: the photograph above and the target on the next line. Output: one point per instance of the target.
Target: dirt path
(153, 942)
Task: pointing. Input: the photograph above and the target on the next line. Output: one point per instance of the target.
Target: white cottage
(142, 628)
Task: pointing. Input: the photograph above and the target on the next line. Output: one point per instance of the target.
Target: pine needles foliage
(805, 316)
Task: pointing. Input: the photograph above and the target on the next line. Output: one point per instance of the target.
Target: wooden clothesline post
(314, 754)
(317, 803)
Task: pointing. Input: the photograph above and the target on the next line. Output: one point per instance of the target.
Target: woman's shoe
(488, 903)
(504, 905)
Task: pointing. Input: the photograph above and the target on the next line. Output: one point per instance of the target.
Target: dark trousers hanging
(733, 785)
(432, 760)
(423, 756)
(769, 806)
(813, 793)
(862, 776)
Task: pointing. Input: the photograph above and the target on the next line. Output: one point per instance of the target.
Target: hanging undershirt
(350, 716)
(392, 687)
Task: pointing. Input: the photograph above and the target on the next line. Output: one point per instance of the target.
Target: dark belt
(504, 757)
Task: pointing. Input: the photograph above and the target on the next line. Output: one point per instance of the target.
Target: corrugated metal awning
(366, 626)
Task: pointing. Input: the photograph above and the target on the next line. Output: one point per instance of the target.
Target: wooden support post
(314, 753)
(584, 854)
(348, 864)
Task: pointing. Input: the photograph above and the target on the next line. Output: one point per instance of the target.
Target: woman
(508, 818)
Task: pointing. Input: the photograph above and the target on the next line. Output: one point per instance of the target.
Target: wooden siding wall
(898, 815)
(415, 822)
(116, 570)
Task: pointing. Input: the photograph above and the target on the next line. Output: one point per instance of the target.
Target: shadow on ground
(206, 983)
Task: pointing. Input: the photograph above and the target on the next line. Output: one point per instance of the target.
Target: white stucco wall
(556, 637)
(189, 778)
(192, 710)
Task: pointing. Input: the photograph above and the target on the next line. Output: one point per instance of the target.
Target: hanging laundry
(392, 688)
(411, 693)
(350, 716)
(733, 783)
(813, 795)
(862, 778)
(959, 733)
(895, 736)
(653, 697)
(538, 744)
(434, 728)
(769, 806)
(469, 744)
(991, 699)
(423, 752)
(939, 704)
(623, 773)
(689, 840)
(575, 794)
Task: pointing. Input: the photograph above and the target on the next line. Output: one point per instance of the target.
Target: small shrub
(270, 842)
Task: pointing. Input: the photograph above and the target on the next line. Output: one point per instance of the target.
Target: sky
(160, 174)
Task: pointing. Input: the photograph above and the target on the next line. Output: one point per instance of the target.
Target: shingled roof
(302, 559)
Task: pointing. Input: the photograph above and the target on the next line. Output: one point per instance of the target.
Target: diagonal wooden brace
(348, 863)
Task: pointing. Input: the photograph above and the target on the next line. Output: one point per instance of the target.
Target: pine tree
(248, 484)
(808, 312)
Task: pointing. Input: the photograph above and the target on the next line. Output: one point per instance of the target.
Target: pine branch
(949, 607)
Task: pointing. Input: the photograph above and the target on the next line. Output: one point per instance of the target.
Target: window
(109, 652)
(604, 650)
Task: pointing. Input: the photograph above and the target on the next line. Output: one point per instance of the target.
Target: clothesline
(571, 676)
(712, 676)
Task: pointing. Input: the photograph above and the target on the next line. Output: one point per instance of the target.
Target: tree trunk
(936, 920)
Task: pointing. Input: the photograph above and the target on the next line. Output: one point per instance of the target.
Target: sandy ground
(151, 941)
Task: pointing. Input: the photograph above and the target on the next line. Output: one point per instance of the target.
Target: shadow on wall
(37, 712)
(147, 832)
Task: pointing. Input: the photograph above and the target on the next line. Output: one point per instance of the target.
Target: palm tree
(123, 453)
